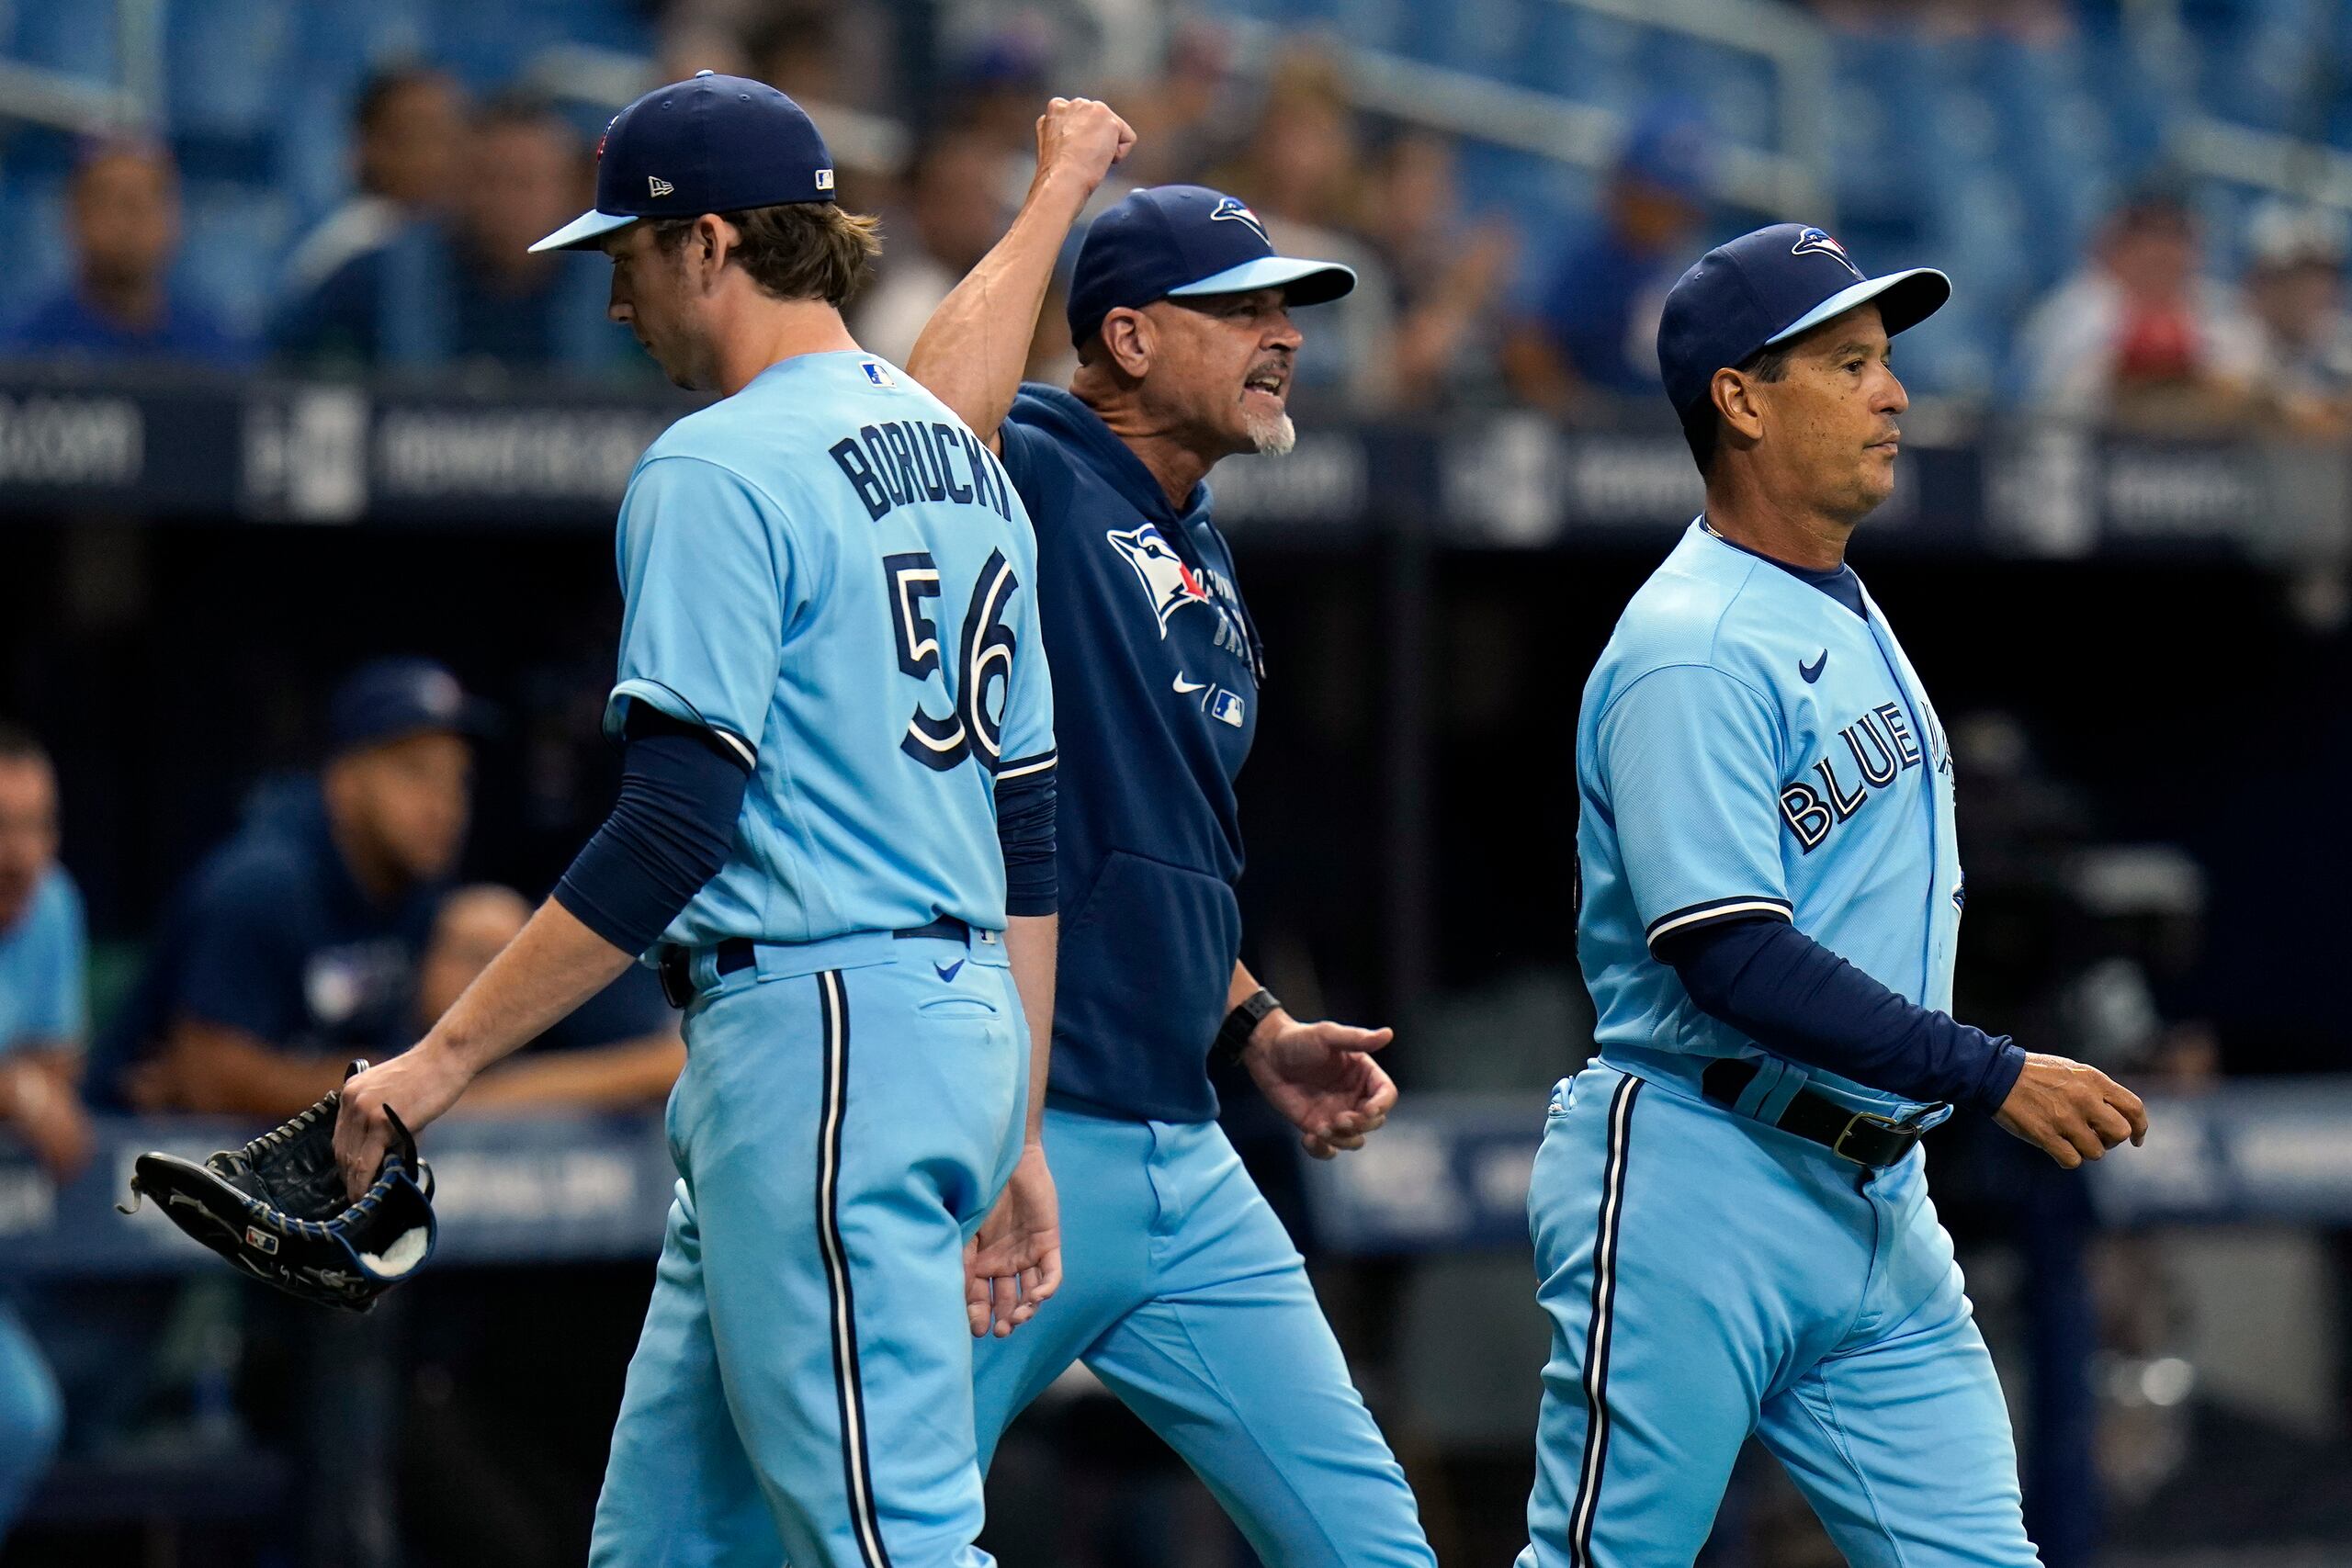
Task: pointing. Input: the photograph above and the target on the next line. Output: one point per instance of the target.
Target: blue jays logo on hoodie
(1170, 583)
(1818, 242)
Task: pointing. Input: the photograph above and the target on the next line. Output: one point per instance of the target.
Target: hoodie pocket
(1148, 959)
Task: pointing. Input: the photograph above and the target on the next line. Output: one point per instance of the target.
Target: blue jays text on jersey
(1748, 747)
(806, 575)
(1157, 669)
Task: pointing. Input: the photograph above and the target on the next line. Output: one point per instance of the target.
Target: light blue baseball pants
(1182, 1292)
(848, 1113)
(1708, 1276)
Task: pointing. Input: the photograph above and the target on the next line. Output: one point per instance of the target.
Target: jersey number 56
(984, 654)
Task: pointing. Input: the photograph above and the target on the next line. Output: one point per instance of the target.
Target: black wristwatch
(1233, 1038)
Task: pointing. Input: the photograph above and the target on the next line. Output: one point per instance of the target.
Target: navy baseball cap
(1766, 287)
(390, 699)
(1174, 241)
(710, 143)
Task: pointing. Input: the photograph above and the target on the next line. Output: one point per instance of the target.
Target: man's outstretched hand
(2071, 1112)
(1323, 1078)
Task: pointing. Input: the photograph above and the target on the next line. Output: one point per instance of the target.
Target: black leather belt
(676, 964)
(1858, 1135)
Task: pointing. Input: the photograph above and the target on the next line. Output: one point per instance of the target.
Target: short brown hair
(800, 250)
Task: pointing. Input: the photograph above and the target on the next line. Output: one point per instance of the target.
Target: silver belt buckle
(1889, 1122)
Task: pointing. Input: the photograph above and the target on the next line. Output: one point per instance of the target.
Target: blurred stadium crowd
(2149, 301)
(347, 195)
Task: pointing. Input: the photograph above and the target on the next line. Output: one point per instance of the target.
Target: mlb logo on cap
(711, 144)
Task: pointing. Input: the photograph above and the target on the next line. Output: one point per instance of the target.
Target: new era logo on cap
(656, 186)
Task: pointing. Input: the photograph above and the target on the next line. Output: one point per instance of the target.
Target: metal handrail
(1798, 48)
(74, 104)
(2215, 148)
(1586, 135)
(609, 78)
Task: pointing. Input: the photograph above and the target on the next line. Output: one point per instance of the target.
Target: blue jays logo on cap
(1230, 210)
(1816, 242)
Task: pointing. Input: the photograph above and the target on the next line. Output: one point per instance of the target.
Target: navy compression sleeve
(1793, 995)
(1024, 830)
(681, 789)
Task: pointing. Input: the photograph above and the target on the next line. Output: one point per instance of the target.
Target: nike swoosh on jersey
(1812, 671)
(1185, 688)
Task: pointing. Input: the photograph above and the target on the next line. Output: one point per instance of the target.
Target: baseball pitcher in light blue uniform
(1732, 1226)
(835, 815)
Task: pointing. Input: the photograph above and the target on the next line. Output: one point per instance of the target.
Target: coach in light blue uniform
(1185, 1293)
(838, 788)
(1730, 1211)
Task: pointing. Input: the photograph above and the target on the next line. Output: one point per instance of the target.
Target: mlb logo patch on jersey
(1227, 707)
(876, 374)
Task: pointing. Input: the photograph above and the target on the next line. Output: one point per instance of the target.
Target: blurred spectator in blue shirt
(407, 129)
(325, 929)
(123, 219)
(467, 292)
(41, 952)
(1592, 323)
(294, 946)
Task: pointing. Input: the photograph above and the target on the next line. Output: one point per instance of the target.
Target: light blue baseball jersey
(42, 957)
(830, 573)
(1748, 747)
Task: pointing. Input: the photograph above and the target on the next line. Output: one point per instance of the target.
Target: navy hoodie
(1156, 674)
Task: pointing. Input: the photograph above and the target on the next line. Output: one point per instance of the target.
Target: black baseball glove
(277, 1210)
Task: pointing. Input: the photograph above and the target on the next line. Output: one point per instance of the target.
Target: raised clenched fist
(1080, 138)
